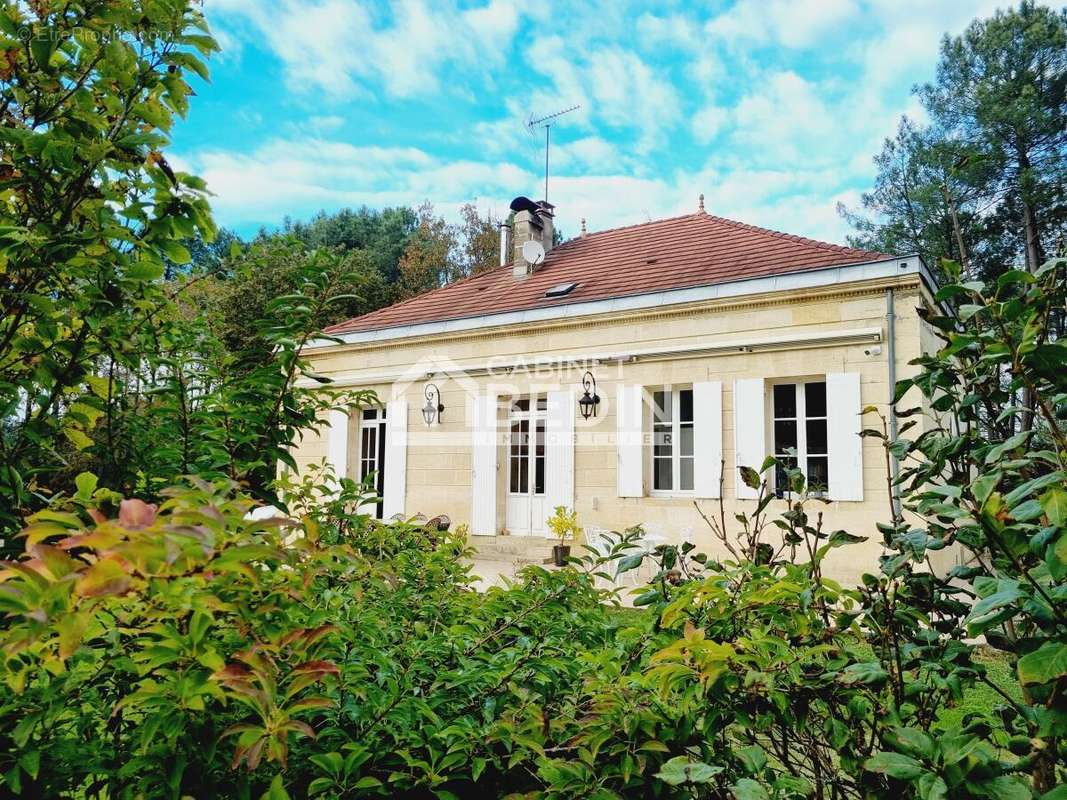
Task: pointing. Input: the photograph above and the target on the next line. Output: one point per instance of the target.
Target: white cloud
(591, 153)
(675, 31)
(296, 177)
(772, 108)
(908, 36)
(785, 120)
(708, 122)
(791, 23)
(339, 46)
(325, 124)
(614, 86)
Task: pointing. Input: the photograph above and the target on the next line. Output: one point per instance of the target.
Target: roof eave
(786, 281)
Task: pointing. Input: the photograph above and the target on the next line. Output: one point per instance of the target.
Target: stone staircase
(518, 551)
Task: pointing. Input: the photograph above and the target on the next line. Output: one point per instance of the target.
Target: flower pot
(560, 554)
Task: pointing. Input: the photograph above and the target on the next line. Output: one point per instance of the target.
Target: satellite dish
(533, 252)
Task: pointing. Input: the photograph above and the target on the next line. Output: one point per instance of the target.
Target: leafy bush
(190, 648)
(91, 213)
(987, 477)
(152, 649)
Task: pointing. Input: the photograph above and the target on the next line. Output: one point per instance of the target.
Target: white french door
(527, 425)
(372, 427)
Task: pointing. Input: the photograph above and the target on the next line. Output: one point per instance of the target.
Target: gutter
(505, 366)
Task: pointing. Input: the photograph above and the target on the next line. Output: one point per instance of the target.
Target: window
(672, 440)
(800, 433)
(372, 451)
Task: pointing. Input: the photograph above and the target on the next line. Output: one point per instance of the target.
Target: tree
(238, 298)
(382, 234)
(922, 203)
(90, 212)
(1002, 89)
(227, 399)
(439, 252)
(205, 257)
(430, 258)
(995, 151)
(481, 240)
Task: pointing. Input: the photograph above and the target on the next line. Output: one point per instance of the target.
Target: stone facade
(438, 475)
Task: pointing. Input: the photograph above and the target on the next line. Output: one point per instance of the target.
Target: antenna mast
(546, 123)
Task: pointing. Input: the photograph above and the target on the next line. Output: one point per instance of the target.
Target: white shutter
(396, 458)
(337, 442)
(707, 438)
(483, 466)
(559, 456)
(845, 445)
(629, 444)
(750, 447)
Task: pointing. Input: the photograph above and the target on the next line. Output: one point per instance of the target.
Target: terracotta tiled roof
(680, 252)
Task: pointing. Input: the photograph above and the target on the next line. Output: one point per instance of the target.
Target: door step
(512, 549)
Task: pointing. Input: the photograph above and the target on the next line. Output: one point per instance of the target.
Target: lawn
(983, 698)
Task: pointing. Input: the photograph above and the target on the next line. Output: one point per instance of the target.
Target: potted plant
(564, 525)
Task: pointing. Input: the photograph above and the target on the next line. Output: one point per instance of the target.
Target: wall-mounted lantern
(434, 408)
(589, 400)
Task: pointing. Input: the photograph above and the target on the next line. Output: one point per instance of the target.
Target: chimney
(505, 234)
(532, 222)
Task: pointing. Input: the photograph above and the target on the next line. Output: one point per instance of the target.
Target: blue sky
(772, 108)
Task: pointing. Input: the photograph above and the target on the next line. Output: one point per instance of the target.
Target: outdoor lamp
(434, 408)
(590, 399)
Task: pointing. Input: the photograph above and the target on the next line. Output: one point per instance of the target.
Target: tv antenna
(546, 122)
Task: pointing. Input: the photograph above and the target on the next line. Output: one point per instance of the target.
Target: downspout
(891, 357)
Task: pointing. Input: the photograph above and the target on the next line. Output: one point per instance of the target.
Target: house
(708, 344)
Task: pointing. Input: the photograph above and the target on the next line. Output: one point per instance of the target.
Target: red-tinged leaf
(317, 633)
(307, 635)
(107, 576)
(255, 754)
(103, 538)
(249, 751)
(71, 629)
(301, 682)
(233, 674)
(278, 749)
(58, 563)
(296, 726)
(136, 514)
(317, 667)
(240, 727)
(39, 531)
(24, 569)
(97, 515)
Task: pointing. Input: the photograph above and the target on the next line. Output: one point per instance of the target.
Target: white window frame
(676, 442)
(801, 420)
(532, 417)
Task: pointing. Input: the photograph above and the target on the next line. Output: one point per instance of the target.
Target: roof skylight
(560, 290)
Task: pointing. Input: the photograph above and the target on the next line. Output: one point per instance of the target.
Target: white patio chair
(653, 537)
(600, 544)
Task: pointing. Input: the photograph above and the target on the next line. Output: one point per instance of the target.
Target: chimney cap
(522, 203)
